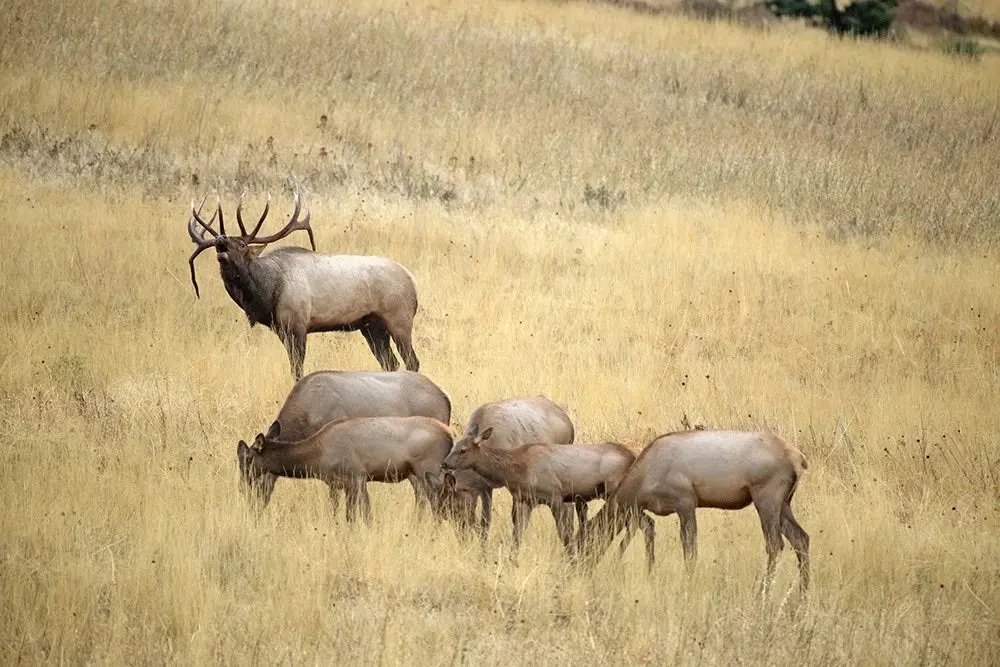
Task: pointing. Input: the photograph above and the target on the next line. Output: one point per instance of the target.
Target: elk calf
(352, 452)
(544, 474)
(295, 291)
(680, 472)
(516, 422)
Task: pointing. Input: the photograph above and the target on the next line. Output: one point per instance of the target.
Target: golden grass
(805, 243)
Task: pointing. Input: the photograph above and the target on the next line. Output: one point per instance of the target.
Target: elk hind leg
(401, 330)
(799, 539)
(377, 336)
(769, 512)
(689, 536)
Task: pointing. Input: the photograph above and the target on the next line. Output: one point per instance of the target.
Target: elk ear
(242, 451)
(473, 430)
(486, 434)
(255, 250)
(273, 431)
(449, 481)
(258, 443)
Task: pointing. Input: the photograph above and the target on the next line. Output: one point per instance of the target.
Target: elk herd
(348, 428)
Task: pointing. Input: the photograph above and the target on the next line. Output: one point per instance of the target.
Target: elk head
(256, 484)
(464, 451)
(238, 251)
(450, 501)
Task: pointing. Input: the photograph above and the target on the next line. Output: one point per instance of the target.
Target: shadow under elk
(295, 291)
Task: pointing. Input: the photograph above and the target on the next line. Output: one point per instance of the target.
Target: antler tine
(267, 207)
(195, 215)
(222, 223)
(239, 215)
(294, 224)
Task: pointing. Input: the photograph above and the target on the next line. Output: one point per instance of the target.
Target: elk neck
(300, 459)
(500, 466)
(253, 284)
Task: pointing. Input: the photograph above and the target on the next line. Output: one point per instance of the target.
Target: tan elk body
(325, 396)
(515, 422)
(296, 291)
(680, 472)
(544, 474)
(352, 452)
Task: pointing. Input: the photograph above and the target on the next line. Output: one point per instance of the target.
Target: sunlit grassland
(647, 219)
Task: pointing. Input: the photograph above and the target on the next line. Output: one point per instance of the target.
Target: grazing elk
(544, 474)
(679, 472)
(349, 453)
(295, 291)
(516, 422)
(324, 396)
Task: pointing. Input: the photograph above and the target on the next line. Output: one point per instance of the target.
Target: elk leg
(649, 532)
(770, 523)
(581, 514)
(366, 503)
(520, 513)
(401, 333)
(486, 497)
(335, 490)
(377, 335)
(799, 539)
(689, 536)
(562, 513)
(294, 339)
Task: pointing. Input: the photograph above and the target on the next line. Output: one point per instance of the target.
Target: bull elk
(295, 291)
(680, 472)
(545, 474)
(350, 453)
(515, 422)
(325, 396)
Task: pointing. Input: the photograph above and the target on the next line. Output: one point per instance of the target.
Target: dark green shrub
(861, 17)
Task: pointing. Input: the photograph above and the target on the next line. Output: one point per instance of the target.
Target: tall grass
(805, 242)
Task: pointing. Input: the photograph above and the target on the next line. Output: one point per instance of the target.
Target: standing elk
(296, 291)
(515, 422)
(325, 396)
(544, 474)
(679, 472)
(349, 453)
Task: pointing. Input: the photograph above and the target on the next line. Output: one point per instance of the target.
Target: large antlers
(294, 224)
(198, 235)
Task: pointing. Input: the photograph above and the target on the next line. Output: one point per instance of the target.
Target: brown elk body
(295, 291)
(680, 472)
(516, 422)
(352, 452)
(325, 396)
(544, 474)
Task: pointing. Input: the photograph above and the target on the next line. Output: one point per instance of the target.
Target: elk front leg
(520, 513)
(335, 490)
(294, 338)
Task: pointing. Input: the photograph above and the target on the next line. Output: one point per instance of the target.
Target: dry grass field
(649, 219)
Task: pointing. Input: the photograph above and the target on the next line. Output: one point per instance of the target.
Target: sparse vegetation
(808, 244)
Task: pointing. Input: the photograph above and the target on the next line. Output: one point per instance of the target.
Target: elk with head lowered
(296, 291)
